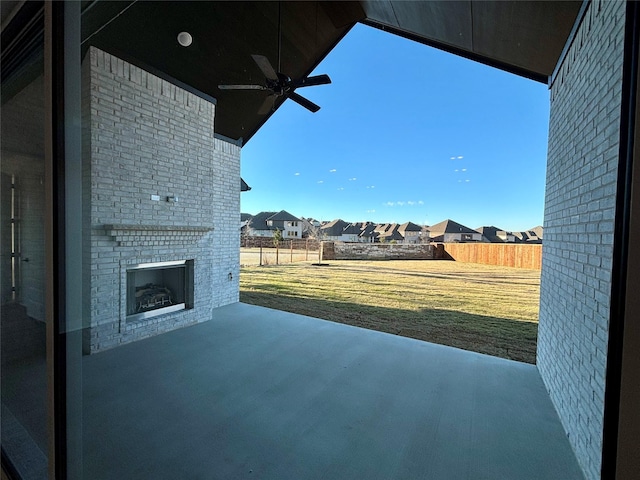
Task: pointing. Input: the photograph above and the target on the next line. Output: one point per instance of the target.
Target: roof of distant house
(333, 223)
(385, 227)
(528, 236)
(490, 233)
(369, 230)
(538, 231)
(283, 216)
(259, 221)
(488, 229)
(449, 226)
(334, 228)
(391, 233)
(352, 229)
(409, 227)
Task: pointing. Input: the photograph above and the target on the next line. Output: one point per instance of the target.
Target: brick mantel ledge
(132, 235)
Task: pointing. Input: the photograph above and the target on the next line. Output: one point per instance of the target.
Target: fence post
(277, 253)
(306, 250)
(291, 251)
(260, 255)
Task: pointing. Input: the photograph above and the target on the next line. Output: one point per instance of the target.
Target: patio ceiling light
(185, 39)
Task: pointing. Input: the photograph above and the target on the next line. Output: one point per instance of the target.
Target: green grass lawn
(483, 308)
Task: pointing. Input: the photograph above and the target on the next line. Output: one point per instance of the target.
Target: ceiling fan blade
(311, 81)
(308, 104)
(242, 87)
(267, 105)
(265, 65)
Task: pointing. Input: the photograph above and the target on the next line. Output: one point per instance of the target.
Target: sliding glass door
(22, 256)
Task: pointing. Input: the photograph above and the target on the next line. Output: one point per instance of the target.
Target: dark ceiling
(225, 34)
(525, 37)
(520, 36)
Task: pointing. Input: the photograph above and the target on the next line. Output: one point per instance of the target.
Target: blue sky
(405, 133)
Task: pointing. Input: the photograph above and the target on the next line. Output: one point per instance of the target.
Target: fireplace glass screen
(158, 288)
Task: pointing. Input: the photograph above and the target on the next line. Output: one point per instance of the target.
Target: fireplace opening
(159, 288)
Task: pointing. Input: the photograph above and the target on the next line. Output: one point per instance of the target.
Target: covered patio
(260, 393)
(255, 393)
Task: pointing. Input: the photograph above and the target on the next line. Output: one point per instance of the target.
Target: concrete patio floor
(264, 394)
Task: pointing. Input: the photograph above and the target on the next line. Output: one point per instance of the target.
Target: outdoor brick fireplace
(158, 288)
(160, 209)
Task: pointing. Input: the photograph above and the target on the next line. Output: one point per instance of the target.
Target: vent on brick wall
(155, 235)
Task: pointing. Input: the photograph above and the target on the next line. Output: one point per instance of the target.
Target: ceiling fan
(278, 83)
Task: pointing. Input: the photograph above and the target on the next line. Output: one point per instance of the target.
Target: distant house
(410, 232)
(388, 232)
(256, 225)
(489, 234)
(245, 218)
(537, 232)
(368, 233)
(264, 224)
(505, 236)
(340, 231)
(495, 235)
(529, 236)
(351, 232)
(310, 223)
(310, 227)
(450, 231)
(333, 230)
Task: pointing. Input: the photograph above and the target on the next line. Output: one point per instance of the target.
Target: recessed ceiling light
(185, 39)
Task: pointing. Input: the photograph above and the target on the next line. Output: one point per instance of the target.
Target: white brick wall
(226, 215)
(579, 225)
(145, 137)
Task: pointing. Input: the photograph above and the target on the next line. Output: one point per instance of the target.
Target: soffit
(225, 35)
(525, 37)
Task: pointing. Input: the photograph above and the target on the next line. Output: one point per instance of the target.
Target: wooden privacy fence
(501, 254)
